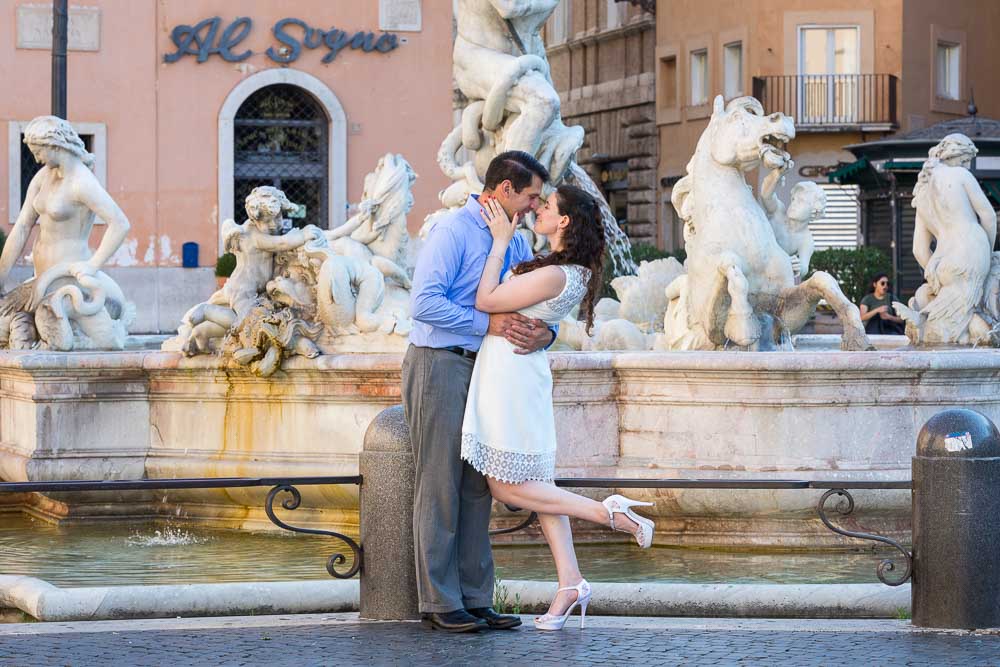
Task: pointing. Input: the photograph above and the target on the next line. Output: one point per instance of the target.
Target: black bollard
(389, 579)
(956, 522)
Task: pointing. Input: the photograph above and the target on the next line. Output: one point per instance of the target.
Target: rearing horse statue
(739, 287)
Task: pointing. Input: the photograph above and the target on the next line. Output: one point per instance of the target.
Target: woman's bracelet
(492, 256)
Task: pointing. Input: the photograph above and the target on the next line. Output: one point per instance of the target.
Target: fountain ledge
(46, 602)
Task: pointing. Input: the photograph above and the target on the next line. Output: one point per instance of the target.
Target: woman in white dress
(509, 432)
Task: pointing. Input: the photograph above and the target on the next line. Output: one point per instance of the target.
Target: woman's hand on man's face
(502, 228)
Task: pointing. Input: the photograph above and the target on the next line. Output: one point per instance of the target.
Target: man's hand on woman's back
(526, 334)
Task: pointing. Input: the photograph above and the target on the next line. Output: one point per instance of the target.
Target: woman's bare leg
(559, 535)
(547, 498)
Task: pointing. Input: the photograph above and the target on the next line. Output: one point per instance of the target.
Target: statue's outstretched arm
(768, 198)
(290, 240)
(96, 198)
(26, 220)
(987, 216)
(345, 229)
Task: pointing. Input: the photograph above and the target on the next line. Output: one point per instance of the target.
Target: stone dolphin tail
(914, 317)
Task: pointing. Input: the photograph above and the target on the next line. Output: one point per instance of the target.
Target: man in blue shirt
(452, 502)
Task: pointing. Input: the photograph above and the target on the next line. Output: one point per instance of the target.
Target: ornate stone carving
(501, 67)
(960, 302)
(304, 291)
(739, 288)
(69, 303)
(510, 103)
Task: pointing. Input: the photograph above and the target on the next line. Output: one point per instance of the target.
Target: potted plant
(224, 267)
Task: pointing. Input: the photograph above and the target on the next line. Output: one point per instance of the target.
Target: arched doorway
(336, 135)
(280, 138)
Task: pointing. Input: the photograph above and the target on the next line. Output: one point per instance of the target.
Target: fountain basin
(779, 415)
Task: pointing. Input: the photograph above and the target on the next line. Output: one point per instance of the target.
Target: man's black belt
(461, 351)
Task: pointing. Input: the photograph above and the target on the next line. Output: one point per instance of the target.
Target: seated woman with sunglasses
(876, 309)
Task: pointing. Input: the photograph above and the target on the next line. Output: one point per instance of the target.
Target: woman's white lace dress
(509, 431)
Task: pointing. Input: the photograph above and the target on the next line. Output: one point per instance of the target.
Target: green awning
(904, 165)
(993, 190)
(846, 172)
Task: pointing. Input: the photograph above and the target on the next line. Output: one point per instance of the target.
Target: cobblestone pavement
(343, 640)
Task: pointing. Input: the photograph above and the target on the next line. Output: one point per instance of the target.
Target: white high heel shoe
(553, 622)
(621, 505)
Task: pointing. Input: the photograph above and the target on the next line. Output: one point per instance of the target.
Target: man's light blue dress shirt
(450, 264)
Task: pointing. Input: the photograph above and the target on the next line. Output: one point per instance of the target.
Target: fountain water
(619, 247)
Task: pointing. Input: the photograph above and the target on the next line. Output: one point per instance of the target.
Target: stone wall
(606, 83)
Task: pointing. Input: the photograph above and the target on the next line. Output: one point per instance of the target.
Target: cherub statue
(791, 224)
(69, 303)
(953, 239)
(255, 243)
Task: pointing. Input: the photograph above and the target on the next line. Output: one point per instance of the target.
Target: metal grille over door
(280, 139)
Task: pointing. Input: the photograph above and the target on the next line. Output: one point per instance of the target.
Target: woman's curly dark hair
(583, 244)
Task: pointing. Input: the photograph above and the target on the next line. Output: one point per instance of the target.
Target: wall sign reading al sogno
(205, 39)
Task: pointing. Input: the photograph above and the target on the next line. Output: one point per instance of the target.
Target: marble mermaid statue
(953, 239)
(508, 433)
(69, 303)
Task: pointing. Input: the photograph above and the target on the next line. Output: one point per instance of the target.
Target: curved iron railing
(278, 484)
(887, 564)
(833, 488)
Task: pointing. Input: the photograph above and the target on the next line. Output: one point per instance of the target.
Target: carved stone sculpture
(293, 294)
(958, 303)
(69, 303)
(791, 224)
(501, 69)
(739, 288)
(377, 234)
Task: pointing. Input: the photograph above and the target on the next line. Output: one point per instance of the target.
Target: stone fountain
(282, 370)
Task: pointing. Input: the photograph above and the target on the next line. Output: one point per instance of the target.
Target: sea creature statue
(953, 239)
(739, 288)
(69, 303)
(633, 320)
(501, 68)
(377, 233)
(292, 294)
(791, 224)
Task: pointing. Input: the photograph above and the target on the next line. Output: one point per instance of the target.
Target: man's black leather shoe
(494, 620)
(453, 621)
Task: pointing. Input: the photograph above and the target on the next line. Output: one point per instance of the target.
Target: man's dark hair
(517, 167)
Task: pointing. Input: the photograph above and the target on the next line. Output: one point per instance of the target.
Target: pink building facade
(185, 114)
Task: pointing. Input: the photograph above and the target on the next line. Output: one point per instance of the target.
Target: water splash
(785, 343)
(168, 537)
(618, 244)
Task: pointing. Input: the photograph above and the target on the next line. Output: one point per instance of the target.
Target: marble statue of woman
(955, 218)
(69, 303)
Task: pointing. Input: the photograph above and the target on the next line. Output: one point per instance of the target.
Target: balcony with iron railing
(832, 102)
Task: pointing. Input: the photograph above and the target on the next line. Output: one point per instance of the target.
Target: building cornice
(591, 38)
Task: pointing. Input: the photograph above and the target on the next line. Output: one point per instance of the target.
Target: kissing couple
(477, 391)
